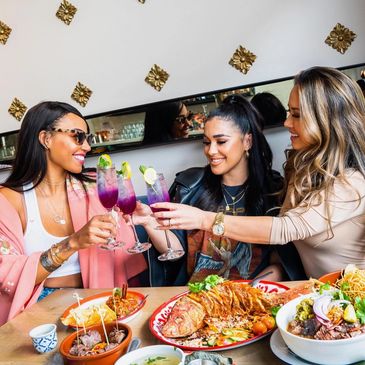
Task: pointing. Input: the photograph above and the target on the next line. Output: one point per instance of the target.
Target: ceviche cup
(326, 352)
(105, 358)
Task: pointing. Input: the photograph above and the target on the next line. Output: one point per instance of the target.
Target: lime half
(105, 161)
(150, 175)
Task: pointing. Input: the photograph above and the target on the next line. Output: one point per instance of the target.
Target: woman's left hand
(180, 216)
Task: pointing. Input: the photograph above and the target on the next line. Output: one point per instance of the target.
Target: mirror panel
(126, 129)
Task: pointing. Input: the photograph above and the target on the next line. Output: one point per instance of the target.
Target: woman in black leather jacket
(238, 180)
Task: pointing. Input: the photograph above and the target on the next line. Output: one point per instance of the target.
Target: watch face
(218, 229)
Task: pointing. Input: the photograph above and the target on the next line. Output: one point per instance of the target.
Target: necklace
(58, 218)
(235, 198)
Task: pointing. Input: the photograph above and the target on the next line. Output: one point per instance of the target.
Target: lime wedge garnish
(149, 174)
(105, 161)
(126, 170)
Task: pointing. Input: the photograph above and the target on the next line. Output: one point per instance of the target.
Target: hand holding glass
(108, 194)
(158, 192)
(127, 204)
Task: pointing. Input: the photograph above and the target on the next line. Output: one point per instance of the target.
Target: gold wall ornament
(340, 38)
(142, 1)
(242, 59)
(17, 109)
(157, 77)
(66, 12)
(81, 94)
(4, 32)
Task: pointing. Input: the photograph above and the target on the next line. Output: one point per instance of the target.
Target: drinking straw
(76, 296)
(101, 312)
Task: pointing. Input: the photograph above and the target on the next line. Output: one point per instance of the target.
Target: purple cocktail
(127, 204)
(108, 197)
(158, 192)
(108, 194)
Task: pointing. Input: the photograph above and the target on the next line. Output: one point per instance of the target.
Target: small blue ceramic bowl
(44, 337)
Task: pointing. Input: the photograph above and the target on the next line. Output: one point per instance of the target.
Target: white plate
(282, 351)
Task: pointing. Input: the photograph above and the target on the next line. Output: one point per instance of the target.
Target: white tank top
(38, 239)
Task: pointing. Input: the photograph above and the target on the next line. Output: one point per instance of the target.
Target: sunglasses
(79, 135)
(184, 118)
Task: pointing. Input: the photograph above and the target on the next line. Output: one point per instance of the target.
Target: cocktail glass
(108, 195)
(127, 204)
(158, 192)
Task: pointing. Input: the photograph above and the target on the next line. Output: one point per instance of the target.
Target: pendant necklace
(235, 199)
(58, 218)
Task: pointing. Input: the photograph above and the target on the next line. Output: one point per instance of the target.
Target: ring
(169, 222)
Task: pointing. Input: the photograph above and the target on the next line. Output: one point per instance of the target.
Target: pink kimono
(99, 268)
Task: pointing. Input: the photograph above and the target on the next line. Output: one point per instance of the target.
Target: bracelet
(54, 251)
(47, 263)
(57, 248)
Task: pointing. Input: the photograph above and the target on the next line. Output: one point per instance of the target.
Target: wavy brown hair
(332, 110)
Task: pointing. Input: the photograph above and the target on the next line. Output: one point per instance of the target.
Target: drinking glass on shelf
(108, 195)
(158, 192)
(127, 204)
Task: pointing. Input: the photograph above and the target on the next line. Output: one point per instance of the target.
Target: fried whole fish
(186, 317)
(228, 298)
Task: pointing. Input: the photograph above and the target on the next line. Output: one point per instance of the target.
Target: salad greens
(208, 283)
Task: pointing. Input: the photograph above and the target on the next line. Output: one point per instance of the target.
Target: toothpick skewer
(76, 296)
(101, 312)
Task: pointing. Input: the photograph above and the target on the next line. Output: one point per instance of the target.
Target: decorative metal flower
(66, 12)
(340, 38)
(4, 32)
(242, 59)
(157, 77)
(17, 109)
(141, 1)
(81, 94)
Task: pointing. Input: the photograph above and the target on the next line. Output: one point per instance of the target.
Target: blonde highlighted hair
(332, 110)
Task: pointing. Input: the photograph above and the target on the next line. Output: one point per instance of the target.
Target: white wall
(111, 45)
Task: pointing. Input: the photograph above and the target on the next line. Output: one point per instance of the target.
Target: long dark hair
(159, 121)
(261, 183)
(30, 164)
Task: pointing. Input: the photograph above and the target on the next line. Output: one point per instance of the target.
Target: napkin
(219, 359)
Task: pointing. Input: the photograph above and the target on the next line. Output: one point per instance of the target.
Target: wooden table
(17, 348)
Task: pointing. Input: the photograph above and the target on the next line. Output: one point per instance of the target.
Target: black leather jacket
(185, 189)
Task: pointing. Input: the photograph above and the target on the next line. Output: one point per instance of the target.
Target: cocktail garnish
(105, 161)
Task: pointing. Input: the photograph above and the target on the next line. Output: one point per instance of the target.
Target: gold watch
(218, 225)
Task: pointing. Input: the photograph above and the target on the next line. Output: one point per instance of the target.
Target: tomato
(259, 328)
(269, 322)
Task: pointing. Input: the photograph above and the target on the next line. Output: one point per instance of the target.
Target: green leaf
(275, 310)
(360, 309)
(142, 168)
(324, 287)
(208, 283)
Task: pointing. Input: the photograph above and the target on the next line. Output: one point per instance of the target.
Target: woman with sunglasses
(166, 122)
(324, 208)
(238, 180)
(51, 221)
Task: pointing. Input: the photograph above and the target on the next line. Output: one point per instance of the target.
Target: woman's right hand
(96, 231)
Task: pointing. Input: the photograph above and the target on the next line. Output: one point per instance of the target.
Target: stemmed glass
(108, 195)
(127, 203)
(158, 192)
